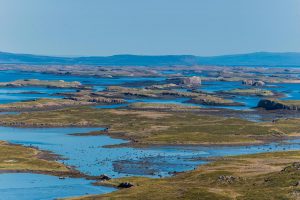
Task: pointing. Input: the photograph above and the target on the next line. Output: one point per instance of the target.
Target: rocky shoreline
(273, 104)
(42, 83)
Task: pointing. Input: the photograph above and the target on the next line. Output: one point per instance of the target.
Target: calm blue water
(292, 92)
(88, 153)
(6, 76)
(10, 95)
(214, 86)
(42, 187)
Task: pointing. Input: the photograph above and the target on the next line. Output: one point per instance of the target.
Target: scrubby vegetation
(41, 104)
(22, 159)
(251, 92)
(158, 127)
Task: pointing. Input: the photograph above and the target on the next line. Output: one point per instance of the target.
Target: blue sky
(152, 27)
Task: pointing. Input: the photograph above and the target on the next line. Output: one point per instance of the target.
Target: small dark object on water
(104, 177)
(125, 185)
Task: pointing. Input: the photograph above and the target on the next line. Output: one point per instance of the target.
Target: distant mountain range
(252, 59)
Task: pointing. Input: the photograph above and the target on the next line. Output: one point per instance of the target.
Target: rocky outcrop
(106, 100)
(294, 167)
(103, 177)
(227, 179)
(247, 82)
(162, 107)
(117, 91)
(259, 83)
(269, 104)
(162, 87)
(97, 99)
(252, 92)
(42, 83)
(125, 185)
(194, 80)
(256, 83)
(213, 101)
(186, 81)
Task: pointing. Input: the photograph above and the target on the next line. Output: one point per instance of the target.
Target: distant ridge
(251, 59)
(254, 59)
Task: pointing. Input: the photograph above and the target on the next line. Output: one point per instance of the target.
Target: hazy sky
(106, 27)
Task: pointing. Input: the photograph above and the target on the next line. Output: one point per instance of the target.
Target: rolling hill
(252, 59)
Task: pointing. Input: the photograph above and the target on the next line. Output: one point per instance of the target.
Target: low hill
(253, 59)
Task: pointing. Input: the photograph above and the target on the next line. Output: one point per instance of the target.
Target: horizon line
(150, 55)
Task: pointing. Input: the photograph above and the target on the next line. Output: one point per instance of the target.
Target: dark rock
(269, 104)
(104, 177)
(259, 83)
(296, 184)
(267, 179)
(291, 168)
(125, 185)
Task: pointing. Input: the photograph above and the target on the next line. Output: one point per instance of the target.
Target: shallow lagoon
(88, 154)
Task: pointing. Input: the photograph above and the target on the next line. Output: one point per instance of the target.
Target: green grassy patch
(14, 157)
(154, 127)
